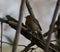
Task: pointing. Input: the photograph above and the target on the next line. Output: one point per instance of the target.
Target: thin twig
(27, 47)
(52, 26)
(12, 44)
(53, 40)
(54, 30)
(1, 34)
(33, 49)
(18, 26)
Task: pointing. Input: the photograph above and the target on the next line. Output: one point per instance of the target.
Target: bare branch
(52, 26)
(18, 26)
(1, 34)
(27, 47)
(34, 39)
(12, 44)
(54, 30)
(29, 9)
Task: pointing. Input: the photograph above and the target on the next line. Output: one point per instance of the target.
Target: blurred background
(43, 11)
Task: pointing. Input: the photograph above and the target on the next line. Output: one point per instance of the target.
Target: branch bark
(1, 34)
(12, 44)
(28, 47)
(28, 35)
(18, 26)
(52, 26)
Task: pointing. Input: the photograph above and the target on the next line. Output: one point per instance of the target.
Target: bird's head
(28, 17)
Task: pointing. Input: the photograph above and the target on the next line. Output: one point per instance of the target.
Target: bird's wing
(36, 21)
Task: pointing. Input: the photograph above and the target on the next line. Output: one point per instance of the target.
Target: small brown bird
(33, 25)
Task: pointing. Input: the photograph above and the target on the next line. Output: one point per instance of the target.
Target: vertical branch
(52, 26)
(1, 34)
(29, 9)
(18, 26)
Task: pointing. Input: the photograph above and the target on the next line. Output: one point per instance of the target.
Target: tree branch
(27, 47)
(1, 34)
(29, 9)
(12, 44)
(52, 26)
(18, 26)
(28, 35)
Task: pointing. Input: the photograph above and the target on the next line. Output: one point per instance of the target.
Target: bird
(33, 25)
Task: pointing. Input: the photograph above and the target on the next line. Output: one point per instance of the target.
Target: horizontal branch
(28, 35)
(12, 44)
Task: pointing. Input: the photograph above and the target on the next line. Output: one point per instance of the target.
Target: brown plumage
(32, 24)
